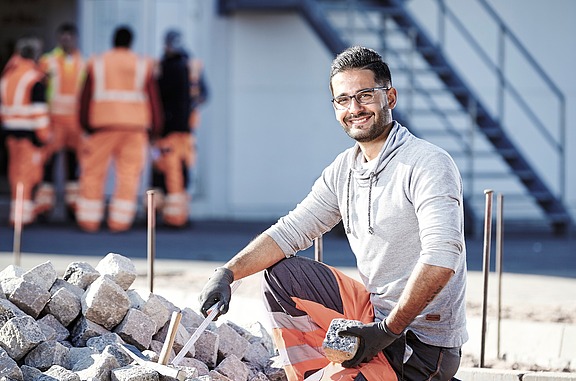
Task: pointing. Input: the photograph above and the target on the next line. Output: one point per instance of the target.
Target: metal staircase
(440, 105)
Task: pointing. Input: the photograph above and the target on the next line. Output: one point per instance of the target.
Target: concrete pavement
(538, 285)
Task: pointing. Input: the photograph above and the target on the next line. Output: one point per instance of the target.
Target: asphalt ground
(523, 251)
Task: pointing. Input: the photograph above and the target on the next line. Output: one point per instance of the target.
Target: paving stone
(134, 373)
(30, 373)
(122, 357)
(98, 343)
(274, 370)
(43, 275)
(190, 318)
(19, 335)
(60, 332)
(8, 367)
(201, 367)
(12, 271)
(48, 331)
(231, 342)
(156, 346)
(8, 310)
(152, 305)
(206, 348)
(105, 302)
(259, 377)
(64, 305)
(257, 355)
(83, 330)
(61, 283)
(233, 368)
(136, 328)
(29, 297)
(217, 376)
(259, 334)
(79, 358)
(47, 354)
(80, 274)
(59, 373)
(100, 369)
(119, 268)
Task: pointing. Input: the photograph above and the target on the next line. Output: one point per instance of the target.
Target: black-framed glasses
(363, 97)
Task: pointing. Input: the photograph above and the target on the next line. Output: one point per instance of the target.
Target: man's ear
(392, 97)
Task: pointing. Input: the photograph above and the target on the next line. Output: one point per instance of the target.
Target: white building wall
(268, 128)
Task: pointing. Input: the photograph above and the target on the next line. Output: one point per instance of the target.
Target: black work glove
(217, 289)
(374, 337)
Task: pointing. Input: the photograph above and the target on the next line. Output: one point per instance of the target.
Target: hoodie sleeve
(436, 192)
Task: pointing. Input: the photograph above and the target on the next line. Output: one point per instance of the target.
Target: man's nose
(354, 105)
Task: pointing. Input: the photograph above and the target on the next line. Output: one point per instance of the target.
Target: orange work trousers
(25, 161)
(67, 135)
(174, 155)
(127, 150)
(303, 297)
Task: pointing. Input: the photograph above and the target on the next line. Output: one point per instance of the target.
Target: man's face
(67, 41)
(363, 122)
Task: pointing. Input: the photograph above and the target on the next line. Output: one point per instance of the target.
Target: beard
(380, 127)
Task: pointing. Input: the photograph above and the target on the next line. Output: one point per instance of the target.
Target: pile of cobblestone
(68, 328)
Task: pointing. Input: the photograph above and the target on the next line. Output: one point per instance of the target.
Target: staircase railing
(507, 41)
(340, 23)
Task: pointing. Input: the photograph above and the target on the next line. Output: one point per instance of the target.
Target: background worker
(400, 199)
(119, 107)
(65, 68)
(25, 122)
(182, 90)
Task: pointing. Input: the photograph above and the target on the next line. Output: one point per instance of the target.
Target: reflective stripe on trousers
(303, 297)
(127, 149)
(25, 162)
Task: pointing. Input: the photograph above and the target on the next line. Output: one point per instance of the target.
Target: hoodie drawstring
(370, 229)
(349, 182)
(348, 231)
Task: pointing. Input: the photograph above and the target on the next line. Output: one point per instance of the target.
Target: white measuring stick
(213, 312)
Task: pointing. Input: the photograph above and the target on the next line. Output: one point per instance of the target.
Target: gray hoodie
(401, 208)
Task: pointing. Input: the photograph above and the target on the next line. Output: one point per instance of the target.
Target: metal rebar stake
(486, 268)
(18, 211)
(499, 261)
(151, 238)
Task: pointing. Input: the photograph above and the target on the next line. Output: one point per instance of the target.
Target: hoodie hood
(365, 175)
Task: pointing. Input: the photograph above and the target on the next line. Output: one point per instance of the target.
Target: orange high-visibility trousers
(127, 149)
(303, 297)
(174, 155)
(67, 135)
(25, 161)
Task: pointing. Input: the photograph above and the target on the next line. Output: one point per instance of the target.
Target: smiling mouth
(359, 119)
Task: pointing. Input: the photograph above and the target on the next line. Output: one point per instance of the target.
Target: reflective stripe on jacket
(119, 95)
(66, 75)
(17, 110)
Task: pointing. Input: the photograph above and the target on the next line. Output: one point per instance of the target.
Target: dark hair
(29, 47)
(122, 37)
(67, 28)
(359, 57)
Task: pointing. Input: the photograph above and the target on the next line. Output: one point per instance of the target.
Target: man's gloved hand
(217, 289)
(374, 337)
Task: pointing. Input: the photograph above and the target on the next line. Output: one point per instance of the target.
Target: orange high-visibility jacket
(17, 110)
(119, 97)
(66, 74)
